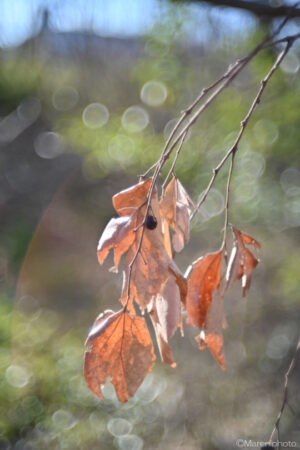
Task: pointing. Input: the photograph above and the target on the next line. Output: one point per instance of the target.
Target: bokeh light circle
(119, 427)
(154, 93)
(214, 204)
(65, 98)
(170, 126)
(251, 164)
(266, 132)
(17, 376)
(130, 442)
(63, 419)
(95, 115)
(135, 119)
(290, 64)
(48, 145)
(121, 149)
(277, 346)
(290, 181)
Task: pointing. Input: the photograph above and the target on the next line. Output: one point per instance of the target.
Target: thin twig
(148, 206)
(290, 37)
(285, 392)
(171, 143)
(171, 171)
(228, 74)
(226, 78)
(223, 245)
(267, 41)
(244, 122)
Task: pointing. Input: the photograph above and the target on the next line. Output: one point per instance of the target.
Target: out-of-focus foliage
(83, 115)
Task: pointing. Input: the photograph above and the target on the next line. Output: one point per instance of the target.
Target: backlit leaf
(119, 235)
(203, 279)
(164, 310)
(175, 208)
(241, 262)
(212, 335)
(118, 346)
(129, 200)
(152, 266)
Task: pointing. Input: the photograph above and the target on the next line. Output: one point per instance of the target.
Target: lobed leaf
(118, 346)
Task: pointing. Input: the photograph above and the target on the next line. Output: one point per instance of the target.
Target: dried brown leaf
(129, 200)
(118, 346)
(181, 283)
(212, 336)
(242, 262)
(151, 269)
(175, 208)
(203, 279)
(250, 240)
(119, 235)
(167, 238)
(164, 310)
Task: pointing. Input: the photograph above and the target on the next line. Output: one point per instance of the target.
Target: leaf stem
(223, 245)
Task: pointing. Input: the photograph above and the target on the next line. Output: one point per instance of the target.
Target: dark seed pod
(151, 222)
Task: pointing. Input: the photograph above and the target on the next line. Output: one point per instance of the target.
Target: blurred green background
(89, 92)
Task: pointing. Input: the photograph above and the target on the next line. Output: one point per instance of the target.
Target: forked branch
(157, 285)
(172, 141)
(234, 148)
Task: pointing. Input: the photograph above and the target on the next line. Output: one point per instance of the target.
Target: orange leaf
(118, 346)
(164, 311)
(129, 200)
(212, 336)
(167, 239)
(181, 283)
(152, 266)
(175, 208)
(118, 234)
(241, 262)
(250, 240)
(203, 279)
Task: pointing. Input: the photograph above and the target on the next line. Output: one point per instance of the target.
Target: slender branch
(223, 245)
(292, 37)
(190, 108)
(285, 392)
(244, 122)
(157, 170)
(229, 75)
(171, 171)
(171, 143)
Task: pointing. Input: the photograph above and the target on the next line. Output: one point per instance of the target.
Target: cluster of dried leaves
(119, 345)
